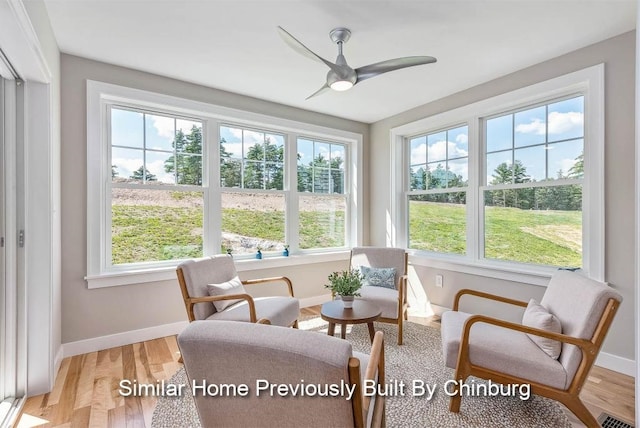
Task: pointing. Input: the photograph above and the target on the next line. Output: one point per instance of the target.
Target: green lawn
(529, 236)
(149, 232)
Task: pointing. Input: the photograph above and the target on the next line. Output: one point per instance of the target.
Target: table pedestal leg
(343, 330)
(332, 329)
(372, 332)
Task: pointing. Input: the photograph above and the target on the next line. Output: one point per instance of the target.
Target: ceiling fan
(342, 77)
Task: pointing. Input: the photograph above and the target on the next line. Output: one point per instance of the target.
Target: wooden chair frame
(569, 397)
(190, 302)
(403, 306)
(361, 404)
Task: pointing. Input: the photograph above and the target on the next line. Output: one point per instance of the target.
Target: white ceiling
(234, 46)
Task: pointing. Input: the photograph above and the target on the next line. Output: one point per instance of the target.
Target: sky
(545, 139)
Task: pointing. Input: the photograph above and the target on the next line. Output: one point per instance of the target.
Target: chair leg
(400, 328)
(456, 400)
(580, 410)
(295, 324)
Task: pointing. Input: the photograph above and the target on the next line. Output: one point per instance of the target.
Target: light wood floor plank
(86, 391)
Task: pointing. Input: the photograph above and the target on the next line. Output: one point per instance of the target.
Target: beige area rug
(420, 358)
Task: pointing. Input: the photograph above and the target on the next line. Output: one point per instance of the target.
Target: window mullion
(475, 214)
(291, 216)
(212, 222)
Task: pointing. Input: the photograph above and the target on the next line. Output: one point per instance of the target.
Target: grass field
(529, 236)
(150, 232)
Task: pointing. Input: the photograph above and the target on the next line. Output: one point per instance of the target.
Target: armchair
(197, 277)
(392, 301)
(226, 353)
(506, 352)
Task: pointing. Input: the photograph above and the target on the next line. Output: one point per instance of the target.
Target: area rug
(420, 358)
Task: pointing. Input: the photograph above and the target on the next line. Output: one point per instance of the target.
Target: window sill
(168, 273)
(523, 273)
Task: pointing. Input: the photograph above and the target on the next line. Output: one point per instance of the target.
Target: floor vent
(608, 421)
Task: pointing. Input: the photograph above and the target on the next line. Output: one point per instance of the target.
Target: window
(535, 158)
(438, 180)
(322, 209)
(511, 181)
(171, 179)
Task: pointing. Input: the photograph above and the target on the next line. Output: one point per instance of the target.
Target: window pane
(189, 141)
(322, 221)
(152, 225)
(160, 167)
(127, 164)
(499, 133)
(418, 153)
(566, 119)
(458, 142)
(437, 147)
(322, 154)
(530, 164)
(499, 169)
(159, 132)
(458, 174)
(127, 128)
(530, 127)
(418, 177)
(337, 181)
(188, 126)
(436, 175)
(189, 169)
(230, 142)
(253, 175)
(273, 175)
(566, 159)
(274, 148)
(230, 172)
(437, 222)
(321, 180)
(540, 225)
(253, 145)
(337, 156)
(252, 220)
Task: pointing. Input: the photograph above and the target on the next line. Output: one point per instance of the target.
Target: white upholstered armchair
(221, 352)
(392, 296)
(212, 290)
(552, 350)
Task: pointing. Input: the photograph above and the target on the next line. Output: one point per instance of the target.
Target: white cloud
(462, 138)
(437, 150)
(157, 168)
(559, 123)
(419, 154)
(164, 126)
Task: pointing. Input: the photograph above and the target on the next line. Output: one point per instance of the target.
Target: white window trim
(99, 94)
(590, 82)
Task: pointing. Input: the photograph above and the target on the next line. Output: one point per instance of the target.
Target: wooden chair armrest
(584, 344)
(375, 366)
(252, 307)
(264, 321)
(402, 288)
(272, 279)
(459, 294)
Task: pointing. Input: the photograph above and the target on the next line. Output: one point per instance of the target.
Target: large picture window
(515, 181)
(171, 179)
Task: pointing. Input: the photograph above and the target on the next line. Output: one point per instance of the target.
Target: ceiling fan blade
(297, 46)
(319, 91)
(372, 70)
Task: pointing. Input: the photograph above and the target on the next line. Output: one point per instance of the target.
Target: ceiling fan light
(341, 85)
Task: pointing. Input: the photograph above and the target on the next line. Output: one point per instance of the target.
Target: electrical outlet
(439, 281)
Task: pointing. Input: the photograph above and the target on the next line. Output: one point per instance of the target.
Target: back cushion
(380, 257)
(578, 302)
(207, 270)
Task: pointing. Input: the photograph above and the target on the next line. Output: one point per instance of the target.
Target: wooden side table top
(362, 312)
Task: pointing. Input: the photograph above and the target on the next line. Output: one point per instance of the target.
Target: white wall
(618, 54)
(88, 314)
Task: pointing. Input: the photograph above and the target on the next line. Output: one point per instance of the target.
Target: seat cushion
(282, 311)
(385, 298)
(500, 349)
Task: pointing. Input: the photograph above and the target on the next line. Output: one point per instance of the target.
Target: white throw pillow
(233, 286)
(537, 316)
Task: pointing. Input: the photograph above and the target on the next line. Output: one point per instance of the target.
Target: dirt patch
(563, 235)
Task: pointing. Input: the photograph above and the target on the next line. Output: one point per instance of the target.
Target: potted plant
(346, 284)
(259, 253)
(285, 252)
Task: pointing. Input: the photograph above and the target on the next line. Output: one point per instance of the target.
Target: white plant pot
(347, 301)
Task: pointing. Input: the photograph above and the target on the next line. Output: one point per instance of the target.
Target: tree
(141, 172)
(577, 170)
(506, 174)
(187, 163)
(114, 171)
(230, 169)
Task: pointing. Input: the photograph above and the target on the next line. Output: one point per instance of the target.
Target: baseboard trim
(315, 300)
(617, 364)
(119, 339)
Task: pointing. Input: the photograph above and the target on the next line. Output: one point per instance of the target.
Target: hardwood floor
(86, 394)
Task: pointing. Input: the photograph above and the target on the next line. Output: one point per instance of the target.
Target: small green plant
(345, 283)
